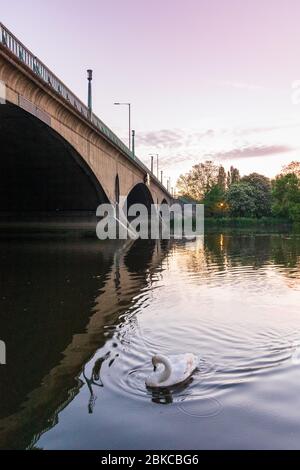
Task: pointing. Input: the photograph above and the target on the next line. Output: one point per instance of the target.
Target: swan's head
(157, 377)
(154, 362)
(154, 378)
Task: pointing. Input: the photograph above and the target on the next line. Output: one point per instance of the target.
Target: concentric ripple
(200, 407)
(228, 309)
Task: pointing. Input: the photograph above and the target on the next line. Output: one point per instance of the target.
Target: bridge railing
(8, 40)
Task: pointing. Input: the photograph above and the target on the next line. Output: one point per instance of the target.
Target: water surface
(81, 320)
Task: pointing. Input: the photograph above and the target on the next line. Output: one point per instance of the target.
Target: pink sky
(206, 78)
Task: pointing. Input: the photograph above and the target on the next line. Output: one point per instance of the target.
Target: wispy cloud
(237, 153)
(180, 149)
(244, 131)
(172, 138)
(175, 138)
(249, 152)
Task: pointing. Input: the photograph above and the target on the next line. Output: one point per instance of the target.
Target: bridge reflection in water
(61, 301)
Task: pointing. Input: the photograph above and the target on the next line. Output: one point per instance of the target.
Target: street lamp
(90, 78)
(129, 119)
(157, 158)
(133, 144)
(168, 184)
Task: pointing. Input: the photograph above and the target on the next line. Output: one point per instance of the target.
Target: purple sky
(206, 78)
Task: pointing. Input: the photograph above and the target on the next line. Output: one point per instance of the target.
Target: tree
(240, 200)
(294, 212)
(199, 180)
(292, 168)
(233, 176)
(286, 196)
(214, 202)
(183, 185)
(222, 178)
(261, 193)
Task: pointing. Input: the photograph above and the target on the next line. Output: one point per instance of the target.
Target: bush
(240, 200)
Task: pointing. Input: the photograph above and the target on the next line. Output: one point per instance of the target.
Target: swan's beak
(154, 368)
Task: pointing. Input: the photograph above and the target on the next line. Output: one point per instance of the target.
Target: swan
(177, 369)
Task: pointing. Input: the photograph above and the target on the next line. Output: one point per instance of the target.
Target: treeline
(252, 196)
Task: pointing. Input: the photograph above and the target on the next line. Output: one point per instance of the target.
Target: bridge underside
(40, 173)
(140, 194)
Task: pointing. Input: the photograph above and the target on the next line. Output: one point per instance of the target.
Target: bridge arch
(140, 194)
(40, 172)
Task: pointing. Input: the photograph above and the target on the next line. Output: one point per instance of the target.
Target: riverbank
(248, 222)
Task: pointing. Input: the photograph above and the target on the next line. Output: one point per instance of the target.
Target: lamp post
(129, 120)
(90, 78)
(152, 155)
(168, 184)
(133, 144)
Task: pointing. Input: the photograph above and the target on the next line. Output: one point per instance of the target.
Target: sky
(207, 79)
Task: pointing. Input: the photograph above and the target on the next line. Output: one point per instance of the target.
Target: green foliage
(214, 202)
(286, 196)
(262, 193)
(261, 182)
(233, 176)
(240, 200)
(250, 197)
(222, 178)
(294, 212)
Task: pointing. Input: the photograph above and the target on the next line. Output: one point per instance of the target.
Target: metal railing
(8, 40)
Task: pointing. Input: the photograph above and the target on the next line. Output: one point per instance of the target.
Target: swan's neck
(164, 374)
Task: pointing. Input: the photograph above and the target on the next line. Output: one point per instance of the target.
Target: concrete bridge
(55, 155)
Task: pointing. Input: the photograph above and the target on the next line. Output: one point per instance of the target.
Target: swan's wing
(188, 359)
(183, 365)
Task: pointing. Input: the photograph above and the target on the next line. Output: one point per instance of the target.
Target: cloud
(172, 138)
(249, 152)
(187, 138)
(182, 148)
(244, 131)
(253, 151)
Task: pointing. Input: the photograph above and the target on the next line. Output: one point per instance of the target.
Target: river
(81, 320)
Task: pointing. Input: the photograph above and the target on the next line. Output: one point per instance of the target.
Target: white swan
(177, 369)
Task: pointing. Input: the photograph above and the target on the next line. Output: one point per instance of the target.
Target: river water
(82, 318)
